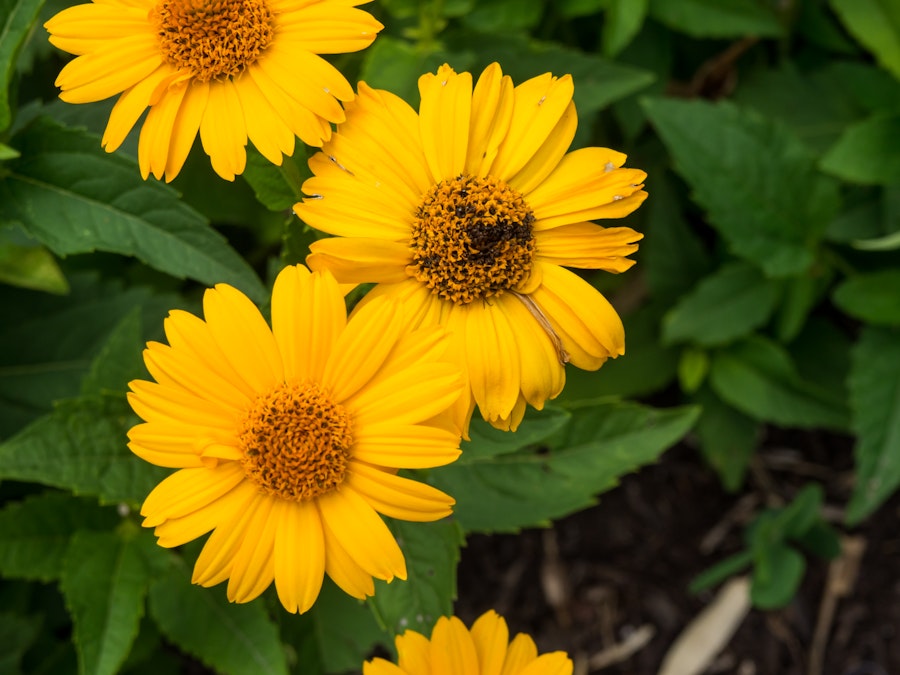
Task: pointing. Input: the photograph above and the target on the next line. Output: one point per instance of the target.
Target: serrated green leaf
(35, 532)
(104, 580)
(601, 443)
(777, 574)
(757, 377)
(28, 265)
(276, 187)
(81, 446)
(728, 439)
(867, 152)
(730, 303)
(119, 361)
(16, 635)
(771, 207)
(875, 400)
(537, 426)
(496, 16)
(75, 198)
(718, 18)
(232, 639)
(16, 20)
(876, 24)
(432, 553)
(622, 22)
(873, 298)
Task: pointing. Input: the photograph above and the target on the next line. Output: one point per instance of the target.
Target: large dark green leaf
(769, 206)
(16, 20)
(727, 437)
(718, 18)
(75, 198)
(875, 400)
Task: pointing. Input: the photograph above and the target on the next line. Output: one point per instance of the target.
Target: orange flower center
(212, 39)
(296, 442)
(472, 239)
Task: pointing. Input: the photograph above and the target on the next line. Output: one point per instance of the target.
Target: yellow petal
(379, 666)
(186, 126)
(131, 105)
(265, 129)
(444, 121)
(253, 569)
(522, 651)
(404, 446)
(398, 497)
(452, 649)
(491, 637)
(158, 403)
(539, 104)
(88, 27)
(308, 316)
(244, 337)
(299, 555)
(360, 260)
(414, 653)
(282, 62)
(548, 156)
(492, 359)
(310, 128)
(223, 131)
(589, 327)
(327, 28)
(343, 569)
(554, 663)
(361, 349)
(117, 66)
(361, 533)
(188, 490)
(588, 245)
(156, 134)
(216, 560)
(492, 110)
(174, 446)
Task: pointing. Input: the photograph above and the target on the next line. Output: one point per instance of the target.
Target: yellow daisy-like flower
(469, 210)
(484, 650)
(288, 439)
(228, 69)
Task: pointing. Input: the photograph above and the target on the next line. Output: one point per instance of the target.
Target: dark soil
(598, 577)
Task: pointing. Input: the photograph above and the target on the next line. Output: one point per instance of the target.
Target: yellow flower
(469, 210)
(288, 439)
(230, 69)
(485, 650)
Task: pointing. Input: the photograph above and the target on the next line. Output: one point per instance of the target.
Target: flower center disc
(472, 239)
(296, 442)
(212, 38)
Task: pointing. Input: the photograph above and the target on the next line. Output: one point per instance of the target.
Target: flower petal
(492, 357)
(223, 131)
(253, 568)
(444, 113)
(491, 637)
(522, 651)
(452, 649)
(299, 555)
(492, 110)
(404, 446)
(587, 245)
(328, 28)
(360, 260)
(189, 490)
(398, 497)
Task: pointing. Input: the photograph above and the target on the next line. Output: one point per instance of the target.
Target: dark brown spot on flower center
(212, 39)
(296, 442)
(472, 239)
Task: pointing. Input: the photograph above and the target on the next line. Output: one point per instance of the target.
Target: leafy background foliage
(766, 295)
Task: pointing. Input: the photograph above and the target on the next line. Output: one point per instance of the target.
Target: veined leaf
(875, 400)
(230, 638)
(730, 303)
(104, 581)
(432, 553)
(16, 19)
(771, 207)
(35, 533)
(874, 298)
(867, 152)
(876, 24)
(75, 198)
(718, 18)
(537, 426)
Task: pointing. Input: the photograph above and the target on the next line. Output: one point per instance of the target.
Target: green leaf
(573, 8)
(731, 303)
(536, 427)
(336, 635)
(721, 571)
(718, 18)
(602, 443)
(728, 439)
(875, 401)
(7, 152)
(432, 553)
(622, 22)
(777, 574)
(802, 513)
(119, 361)
(81, 446)
(751, 194)
(799, 298)
(867, 152)
(29, 265)
(229, 638)
(16, 635)
(16, 20)
(35, 532)
(104, 581)
(822, 540)
(276, 187)
(693, 367)
(501, 16)
(876, 24)
(75, 198)
(873, 298)
(757, 377)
